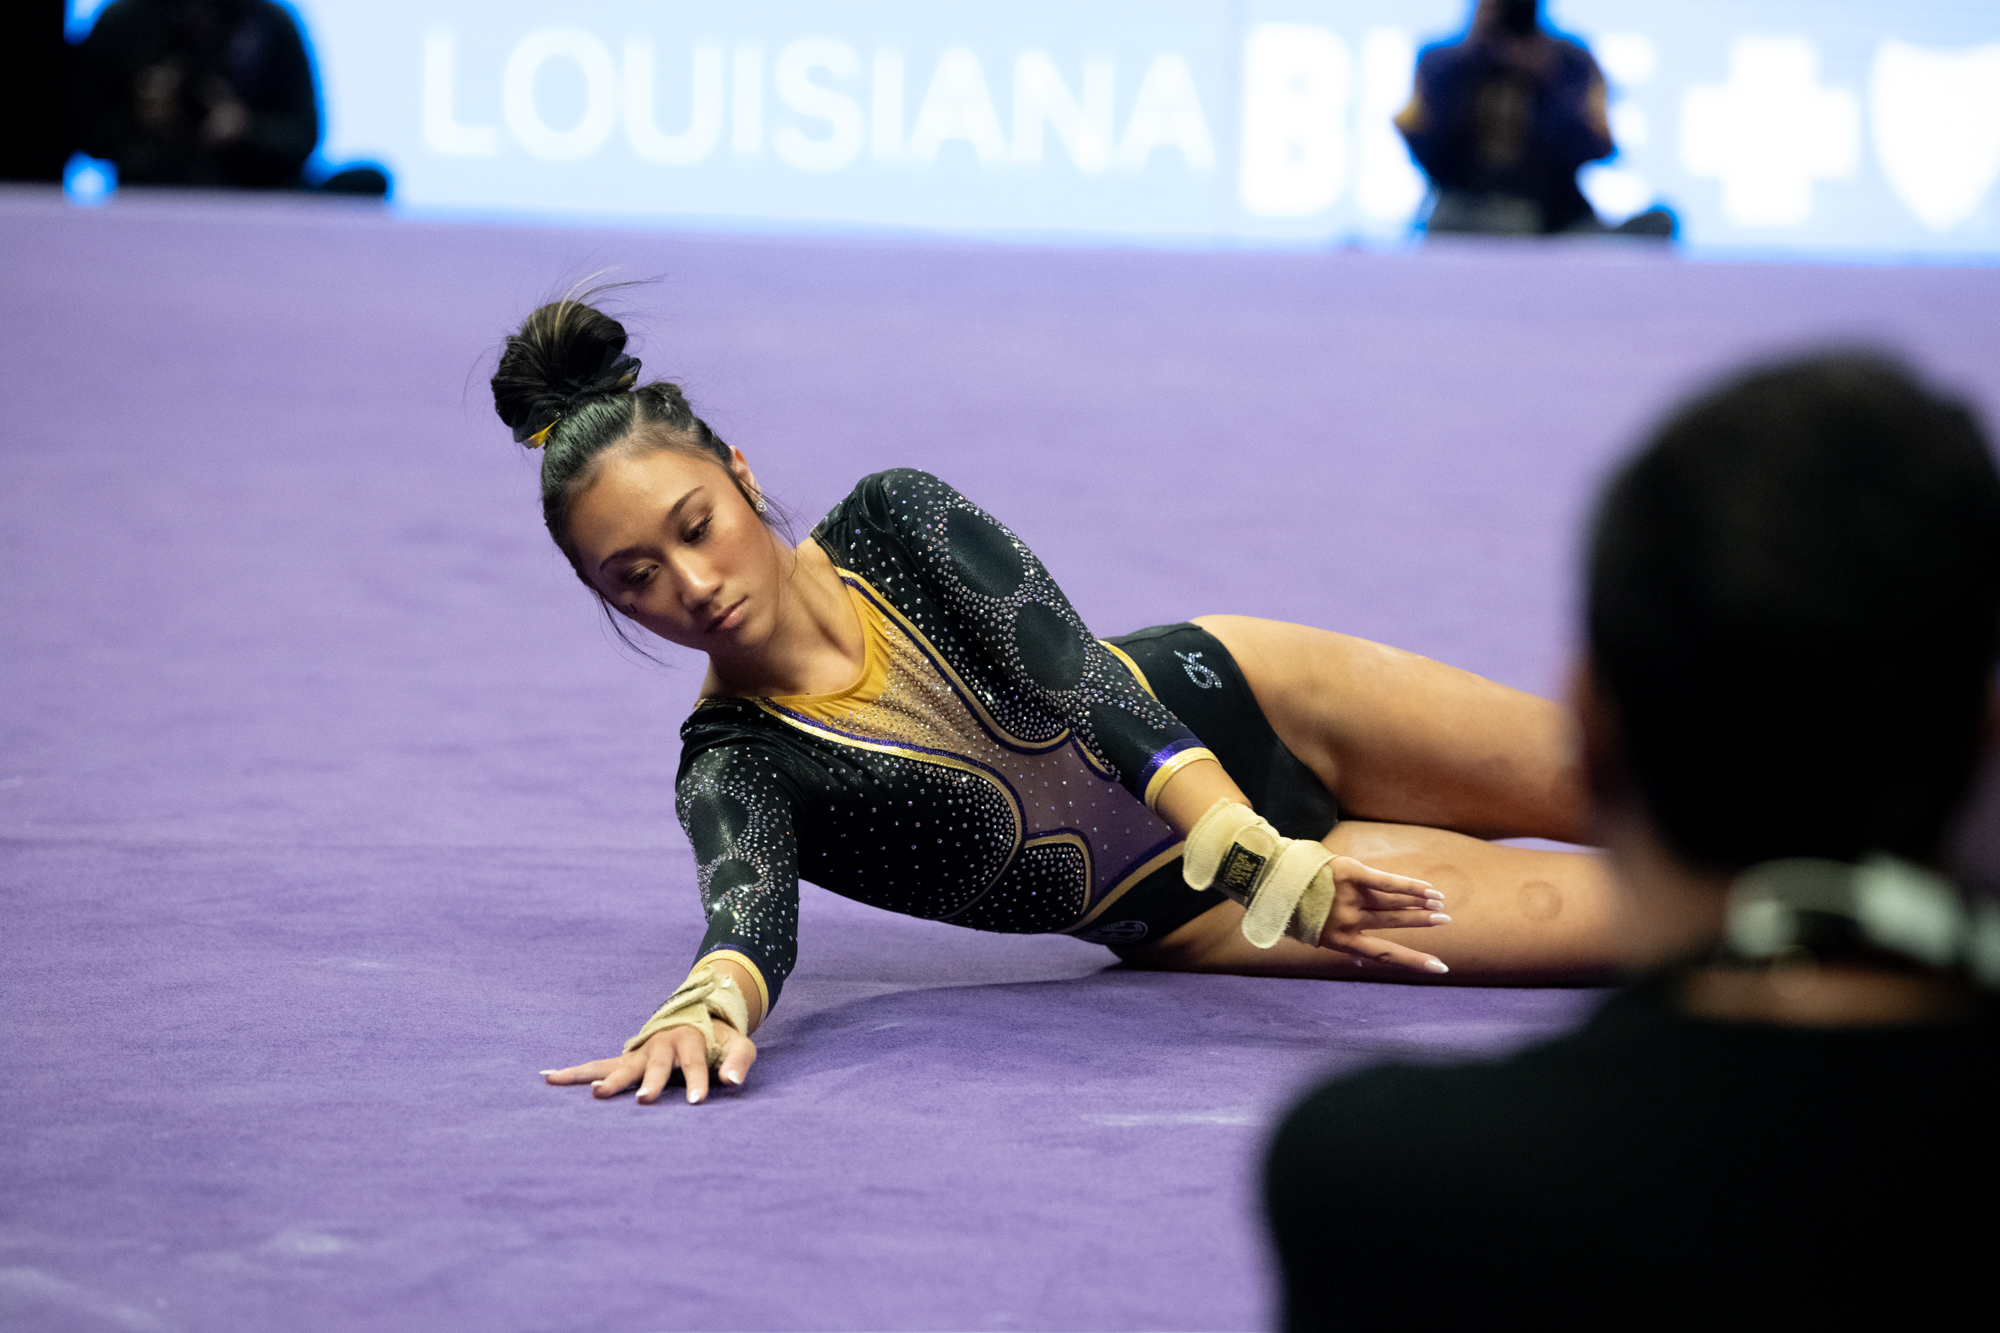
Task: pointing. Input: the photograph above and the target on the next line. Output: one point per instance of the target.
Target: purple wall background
(329, 812)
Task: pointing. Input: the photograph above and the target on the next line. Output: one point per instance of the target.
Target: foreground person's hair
(1794, 608)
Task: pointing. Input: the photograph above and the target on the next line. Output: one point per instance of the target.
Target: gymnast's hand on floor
(654, 1063)
(1367, 899)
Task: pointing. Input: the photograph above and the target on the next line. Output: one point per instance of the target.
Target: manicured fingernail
(547, 1072)
(692, 1099)
(1435, 966)
(1439, 919)
(731, 1076)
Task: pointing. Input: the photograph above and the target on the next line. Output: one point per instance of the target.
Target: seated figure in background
(203, 93)
(1793, 605)
(1502, 119)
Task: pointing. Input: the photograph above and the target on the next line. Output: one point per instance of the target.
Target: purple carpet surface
(330, 811)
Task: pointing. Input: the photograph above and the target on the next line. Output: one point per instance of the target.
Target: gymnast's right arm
(737, 811)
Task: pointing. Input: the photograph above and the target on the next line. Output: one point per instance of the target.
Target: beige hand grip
(1285, 884)
(705, 992)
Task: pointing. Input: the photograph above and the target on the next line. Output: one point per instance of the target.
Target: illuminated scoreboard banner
(1774, 125)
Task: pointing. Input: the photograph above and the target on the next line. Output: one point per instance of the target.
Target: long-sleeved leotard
(995, 766)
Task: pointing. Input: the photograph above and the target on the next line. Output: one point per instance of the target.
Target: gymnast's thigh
(1403, 739)
(1518, 917)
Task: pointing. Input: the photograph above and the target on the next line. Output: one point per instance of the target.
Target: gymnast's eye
(636, 576)
(698, 531)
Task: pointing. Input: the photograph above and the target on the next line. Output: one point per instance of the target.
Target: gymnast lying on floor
(904, 709)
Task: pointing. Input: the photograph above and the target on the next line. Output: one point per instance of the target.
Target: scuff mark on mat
(1229, 1117)
(36, 1299)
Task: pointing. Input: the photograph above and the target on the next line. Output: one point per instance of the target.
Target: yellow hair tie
(624, 382)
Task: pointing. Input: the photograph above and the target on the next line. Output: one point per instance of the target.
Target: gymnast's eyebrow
(625, 551)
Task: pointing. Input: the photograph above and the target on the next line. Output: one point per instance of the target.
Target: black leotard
(995, 765)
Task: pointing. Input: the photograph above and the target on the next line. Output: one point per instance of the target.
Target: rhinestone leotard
(993, 767)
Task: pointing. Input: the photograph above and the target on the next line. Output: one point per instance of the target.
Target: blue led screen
(1838, 129)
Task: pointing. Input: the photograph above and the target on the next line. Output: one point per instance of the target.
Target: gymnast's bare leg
(1426, 762)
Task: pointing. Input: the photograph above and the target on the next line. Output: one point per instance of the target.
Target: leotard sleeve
(1002, 601)
(737, 809)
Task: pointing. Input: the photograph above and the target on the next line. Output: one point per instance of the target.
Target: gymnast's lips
(730, 617)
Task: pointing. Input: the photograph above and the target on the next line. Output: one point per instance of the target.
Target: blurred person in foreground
(203, 93)
(1502, 119)
(1794, 593)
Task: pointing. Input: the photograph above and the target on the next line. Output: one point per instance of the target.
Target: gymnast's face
(671, 542)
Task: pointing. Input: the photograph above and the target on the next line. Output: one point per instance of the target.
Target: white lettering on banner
(825, 126)
(888, 106)
(791, 78)
(1389, 187)
(1936, 117)
(1627, 58)
(1167, 114)
(1616, 192)
(1629, 126)
(1295, 91)
(704, 129)
(1770, 132)
(600, 103)
(958, 106)
(442, 132)
(746, 134)
(1043, 101)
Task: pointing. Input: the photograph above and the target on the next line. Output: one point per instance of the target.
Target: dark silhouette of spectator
(1501, 120)
(1794, 609)
(34, 59)
(202, 93)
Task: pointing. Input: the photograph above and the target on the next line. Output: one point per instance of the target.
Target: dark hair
(1794, 609)
(1520, 17)
(565, 372)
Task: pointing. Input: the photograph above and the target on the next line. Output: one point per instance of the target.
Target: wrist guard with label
(705, 992)
(1285, 884)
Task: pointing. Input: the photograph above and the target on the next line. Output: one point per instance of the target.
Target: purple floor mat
(329, 812)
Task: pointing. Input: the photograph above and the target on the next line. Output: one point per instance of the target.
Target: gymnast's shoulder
(891, 498)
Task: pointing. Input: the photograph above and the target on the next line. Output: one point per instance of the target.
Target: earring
(761, 506)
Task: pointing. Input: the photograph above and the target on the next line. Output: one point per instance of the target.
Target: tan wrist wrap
(706, 992)
(1284, 884)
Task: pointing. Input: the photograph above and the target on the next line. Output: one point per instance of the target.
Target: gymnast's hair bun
(566, 351)
(565, 386)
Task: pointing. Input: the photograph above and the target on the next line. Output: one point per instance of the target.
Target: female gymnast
(904, 709)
